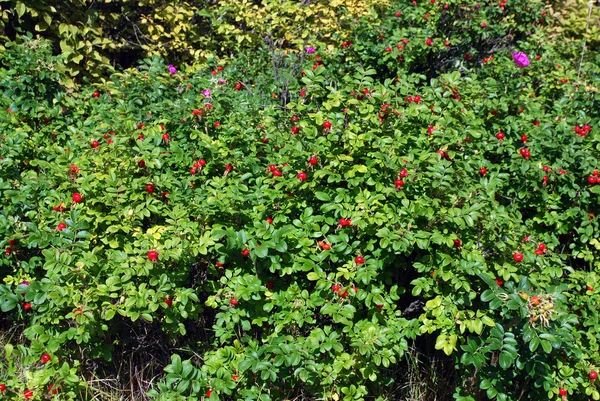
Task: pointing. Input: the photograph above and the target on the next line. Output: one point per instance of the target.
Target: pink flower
(172, 69)
(520, 59)
(206, 93)
(310, 50)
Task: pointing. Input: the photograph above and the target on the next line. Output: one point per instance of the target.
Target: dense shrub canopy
(95, 35)
(310, 225)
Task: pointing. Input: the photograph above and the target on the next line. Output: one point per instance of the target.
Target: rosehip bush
(258, 261)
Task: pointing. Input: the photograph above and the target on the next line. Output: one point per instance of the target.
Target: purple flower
(310, 50)
(206, 93)
(520, 59)
(172, 69)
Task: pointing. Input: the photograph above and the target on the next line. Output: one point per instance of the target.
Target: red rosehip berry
(359, 260)
(53, 390)
(345, 222)
(518, 256)
(153, 255)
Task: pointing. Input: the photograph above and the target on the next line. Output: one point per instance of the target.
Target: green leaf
(8, 305)
(261, 251)
(322, 196)
(20, 7)
(313, 276)
(546, 346)
(487, 295)
(505, 360)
